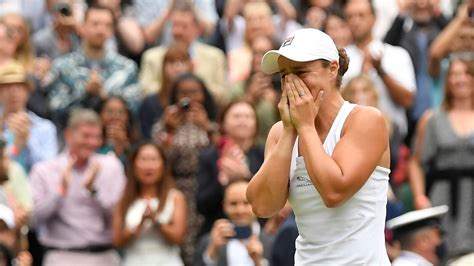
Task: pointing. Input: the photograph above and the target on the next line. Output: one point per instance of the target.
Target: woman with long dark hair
(152, 214)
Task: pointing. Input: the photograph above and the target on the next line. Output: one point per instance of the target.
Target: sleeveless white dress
(351, 234)
(150, 247)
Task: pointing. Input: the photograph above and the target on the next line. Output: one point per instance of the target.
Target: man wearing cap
(29, 138)
(420, 236)
(324, 158)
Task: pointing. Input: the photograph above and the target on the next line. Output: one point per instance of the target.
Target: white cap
(303, 45)
(6, 214)
(416, 219)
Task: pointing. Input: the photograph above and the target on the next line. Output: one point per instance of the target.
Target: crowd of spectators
(130, 128)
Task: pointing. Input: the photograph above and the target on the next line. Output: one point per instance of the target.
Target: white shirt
(397, 63)
(408, 258)
(351, 234)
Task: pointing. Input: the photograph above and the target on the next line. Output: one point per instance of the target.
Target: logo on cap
(288, 41)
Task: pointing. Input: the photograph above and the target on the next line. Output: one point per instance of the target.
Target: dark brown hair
(343, 65)
(132, 188)
(448, 97)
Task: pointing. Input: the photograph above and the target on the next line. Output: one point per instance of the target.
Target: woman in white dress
(150, 220)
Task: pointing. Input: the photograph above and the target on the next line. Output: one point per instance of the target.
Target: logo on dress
(288, 41)
(303, 181)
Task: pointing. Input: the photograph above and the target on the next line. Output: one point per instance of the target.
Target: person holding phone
(328, 157)
(237, 240)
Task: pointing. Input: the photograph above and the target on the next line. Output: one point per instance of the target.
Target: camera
(63, 9)
(184, 103)
(242, 232)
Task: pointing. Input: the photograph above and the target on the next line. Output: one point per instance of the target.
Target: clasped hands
(298, 107)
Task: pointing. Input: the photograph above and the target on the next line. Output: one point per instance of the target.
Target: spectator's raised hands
(20, 125)
(221, 232)
(255, 249)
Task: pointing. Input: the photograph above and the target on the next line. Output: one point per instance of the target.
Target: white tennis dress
(351, 234)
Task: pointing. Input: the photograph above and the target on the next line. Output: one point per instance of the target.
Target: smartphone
(242, 232)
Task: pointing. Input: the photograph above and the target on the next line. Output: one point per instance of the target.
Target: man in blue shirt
(29, 138)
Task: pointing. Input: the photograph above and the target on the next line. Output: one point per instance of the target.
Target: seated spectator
(235, 156)
(187, 127)
(175, 62)
(9, 253)
(283, 249)
(389, 67)
(209, 62)
(119, 131)
(152, 214)
(421, 237)
(30, 138)
(237, 240)
(92, 74)
(442, 165)
(74, 195)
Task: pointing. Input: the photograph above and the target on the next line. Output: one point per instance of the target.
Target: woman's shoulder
(363, 119)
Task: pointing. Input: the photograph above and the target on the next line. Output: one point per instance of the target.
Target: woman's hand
(303, 107)
(284, 108)
(197, 115)
(172, 117)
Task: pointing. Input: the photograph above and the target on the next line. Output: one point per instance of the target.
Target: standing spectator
(7, 47)
(88, 76)
(152, 214)
(442, 166)
(129, 38)
(20, 36)
(388, 66)
(154, 16)
(238, 239)
(415, 27)
(30, 138)
(235, 156)
(74, 195)
(175, 62)
(209, 62)
(184, 130)
(455, 41)
(62, 35)
(336, 26)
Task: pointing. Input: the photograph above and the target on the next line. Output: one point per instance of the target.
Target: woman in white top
(150, 220)
(335, 154)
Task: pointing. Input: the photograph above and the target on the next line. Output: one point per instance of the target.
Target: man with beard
(85, 77)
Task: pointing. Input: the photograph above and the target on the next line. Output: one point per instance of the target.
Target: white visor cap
(303, 45)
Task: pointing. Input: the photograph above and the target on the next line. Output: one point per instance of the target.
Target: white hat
(303, 45)
(6, 214)
(417, 219)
